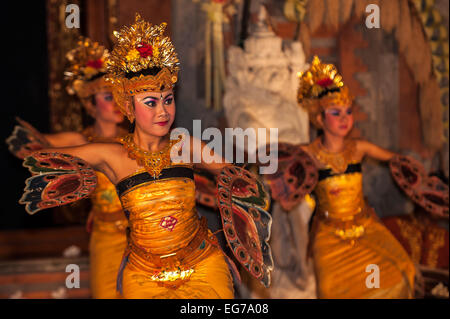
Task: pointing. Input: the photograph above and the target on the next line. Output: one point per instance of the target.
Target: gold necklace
(153, 162)
(338, 162)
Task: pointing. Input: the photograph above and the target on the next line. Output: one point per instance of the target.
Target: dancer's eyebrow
(150, 97)
(157, 97)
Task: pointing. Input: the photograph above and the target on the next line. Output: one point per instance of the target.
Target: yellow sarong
(108, 240)
(355, 256)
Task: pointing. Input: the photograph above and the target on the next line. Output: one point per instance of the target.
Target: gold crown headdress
(140, 47)
(87, 67)
(320, 87)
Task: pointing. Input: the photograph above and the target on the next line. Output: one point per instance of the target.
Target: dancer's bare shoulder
(116, 163)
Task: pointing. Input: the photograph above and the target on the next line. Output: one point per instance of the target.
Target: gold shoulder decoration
(321, 86)
(87, 66)
(153, 162)
(338, 162)
(139, 48)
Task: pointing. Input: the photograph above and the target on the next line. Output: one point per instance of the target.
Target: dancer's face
(338, 119)
(154, 112)
(106, 109)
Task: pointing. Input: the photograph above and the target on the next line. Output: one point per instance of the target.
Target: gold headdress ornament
(86, 70)
(321, 86)
(140, 47)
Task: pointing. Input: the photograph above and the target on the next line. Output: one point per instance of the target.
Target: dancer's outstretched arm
(64, 139)
(374, 151)
(100, 156)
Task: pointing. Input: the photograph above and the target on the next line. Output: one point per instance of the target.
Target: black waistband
(171, 172)
(351, 168)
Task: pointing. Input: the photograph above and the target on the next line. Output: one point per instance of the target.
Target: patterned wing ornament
(58, 179)
(295, 177)
(205, 188)
(428, 192)
(243, 203)
(25, 140)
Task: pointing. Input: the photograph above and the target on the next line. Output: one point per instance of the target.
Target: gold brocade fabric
(340, 196)
(106, 250)
(347, 239)
(211, 279)
(108, 239)
(106, 207)
(149, 203)
(105, 198)
(163, 220)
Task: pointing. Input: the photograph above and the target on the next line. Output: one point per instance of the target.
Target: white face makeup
(155, 112)
(338, 119)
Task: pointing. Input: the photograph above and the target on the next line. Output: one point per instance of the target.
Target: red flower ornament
(325, 82)
(145, 50)
(96, 64)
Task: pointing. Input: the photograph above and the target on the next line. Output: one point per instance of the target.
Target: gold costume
(86, 77)
(108, 239)
(347, 237)
(171, 253)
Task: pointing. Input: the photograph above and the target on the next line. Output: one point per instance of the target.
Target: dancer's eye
(349, 111)
(168, 101)
(334, 112)
(108, 97)
(150, 102)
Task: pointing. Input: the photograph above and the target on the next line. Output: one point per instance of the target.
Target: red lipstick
(162, 123)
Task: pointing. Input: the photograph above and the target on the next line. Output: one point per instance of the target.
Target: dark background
(25, 87)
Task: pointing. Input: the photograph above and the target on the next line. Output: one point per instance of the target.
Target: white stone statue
(261, 92)
(261, 89)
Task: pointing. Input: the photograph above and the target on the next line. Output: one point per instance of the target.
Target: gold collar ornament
(338, 162)
(86, 70)
(140, 49)
(320, 87)
(153, 162)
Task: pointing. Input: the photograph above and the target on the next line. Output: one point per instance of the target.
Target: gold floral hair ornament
(141, 47)
(86, 70)
(321, 86)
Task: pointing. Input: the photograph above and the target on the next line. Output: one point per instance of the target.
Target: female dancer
(106, 221)
(170, 252)
(355, 256)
